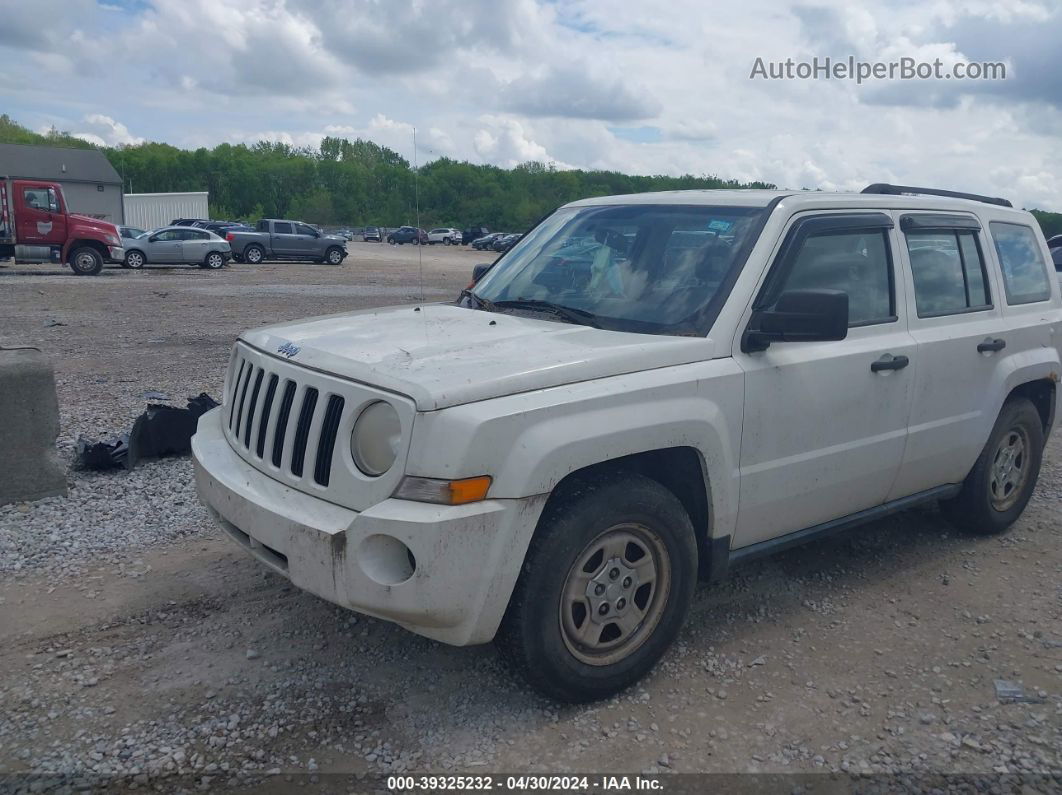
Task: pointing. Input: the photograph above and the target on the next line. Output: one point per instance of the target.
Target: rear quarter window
(1024, 270)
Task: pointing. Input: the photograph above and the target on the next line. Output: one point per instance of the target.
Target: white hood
(443, 355)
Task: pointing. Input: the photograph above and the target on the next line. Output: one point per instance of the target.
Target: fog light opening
(386, 560)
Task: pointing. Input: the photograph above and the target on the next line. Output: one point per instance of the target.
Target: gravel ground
(140, 644)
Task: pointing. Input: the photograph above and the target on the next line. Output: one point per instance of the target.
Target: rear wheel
(1002, 481)
(86, 261)
(253, 254)
(214, 261)
(134, 260)
(604, 589)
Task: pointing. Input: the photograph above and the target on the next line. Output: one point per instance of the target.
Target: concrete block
(29, 423)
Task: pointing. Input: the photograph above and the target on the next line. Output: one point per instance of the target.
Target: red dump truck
(35, 225)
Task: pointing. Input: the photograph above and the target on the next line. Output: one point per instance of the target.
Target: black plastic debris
(91, 454)
(160, 431)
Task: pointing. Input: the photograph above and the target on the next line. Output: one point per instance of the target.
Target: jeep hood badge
(288, 349)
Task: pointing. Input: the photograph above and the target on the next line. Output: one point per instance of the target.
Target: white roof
(796, 200)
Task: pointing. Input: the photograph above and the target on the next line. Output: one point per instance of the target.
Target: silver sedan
(173, 245)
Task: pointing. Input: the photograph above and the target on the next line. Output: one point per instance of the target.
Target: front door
(40, 215)
(825, 423)
(166, 246)
(305, 242)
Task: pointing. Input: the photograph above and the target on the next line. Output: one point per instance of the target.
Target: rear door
(956, 320)
(194, 245)
(39, 213)
(283, 240)
(825, 422)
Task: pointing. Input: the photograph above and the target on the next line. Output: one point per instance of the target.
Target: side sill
(772, 545)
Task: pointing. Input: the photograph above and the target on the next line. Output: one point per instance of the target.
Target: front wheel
(391, 241)
(134, 260)
(1002, 481)
(447, 241)
(604, 589)
(334, 256)
(86, 261)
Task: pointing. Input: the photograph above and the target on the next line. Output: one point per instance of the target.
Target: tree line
(359, 182)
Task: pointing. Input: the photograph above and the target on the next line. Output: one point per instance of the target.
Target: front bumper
(466, 559)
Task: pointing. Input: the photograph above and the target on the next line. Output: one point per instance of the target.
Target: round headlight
(375, 439)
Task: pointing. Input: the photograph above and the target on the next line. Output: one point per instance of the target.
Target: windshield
(649, 268)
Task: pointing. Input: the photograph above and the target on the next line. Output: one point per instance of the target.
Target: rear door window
(281, 228)
(1024, 270)
(948, 271)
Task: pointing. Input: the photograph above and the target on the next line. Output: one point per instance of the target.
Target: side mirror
(479, 271)
(799, 316)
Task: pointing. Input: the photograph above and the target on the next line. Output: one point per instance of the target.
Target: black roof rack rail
(897, 190)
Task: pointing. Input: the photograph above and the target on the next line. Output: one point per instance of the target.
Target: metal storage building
(90, 183)
(152, 210)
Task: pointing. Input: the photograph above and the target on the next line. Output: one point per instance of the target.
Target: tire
(1000, 484)
(415, 241)
(134, 259)
(391, 241)
(334, 256)
(592, 536)
(254, 254)
(446, 241)
(214, 261)
(85, 261)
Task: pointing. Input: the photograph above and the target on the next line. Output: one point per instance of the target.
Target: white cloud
(103, 130)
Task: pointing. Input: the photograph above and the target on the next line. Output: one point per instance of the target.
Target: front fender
(531, 441)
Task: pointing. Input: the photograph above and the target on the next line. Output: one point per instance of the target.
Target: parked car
(486, 242)
(36, 225)
(371, 234)
(346, 234)
(173, 245)
(407, 234)
(445, 235)
(130, 232)
(505, 242)
(286, 240)
(559, 477)
(1055, 241)
(188, 221)
(1056, 258)
(474, 232)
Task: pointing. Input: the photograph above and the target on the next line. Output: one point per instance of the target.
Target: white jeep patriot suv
(645, 389)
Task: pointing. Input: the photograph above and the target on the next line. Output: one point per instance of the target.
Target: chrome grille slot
(267, 405)
(249, 420)
(302, 431)
(243, 397)
(282, 423)
(326, 445)
(234, 390)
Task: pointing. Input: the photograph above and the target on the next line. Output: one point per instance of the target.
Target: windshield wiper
(480, 303)
(572, 315)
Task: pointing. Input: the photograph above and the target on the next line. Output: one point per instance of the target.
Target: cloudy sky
(632, 86)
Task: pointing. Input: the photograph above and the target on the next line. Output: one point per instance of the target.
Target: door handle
(991, 345)
(889, 362)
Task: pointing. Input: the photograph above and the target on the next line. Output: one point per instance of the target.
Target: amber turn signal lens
(444, 492)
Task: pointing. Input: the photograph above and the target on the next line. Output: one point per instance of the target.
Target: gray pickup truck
(289, 240)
